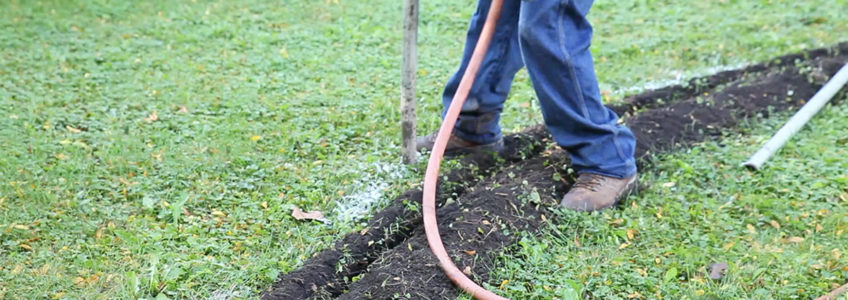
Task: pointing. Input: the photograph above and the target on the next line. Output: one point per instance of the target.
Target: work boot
(594, 192)
(457, 145)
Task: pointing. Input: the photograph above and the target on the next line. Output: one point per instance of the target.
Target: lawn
(158, 148)
(782, 231)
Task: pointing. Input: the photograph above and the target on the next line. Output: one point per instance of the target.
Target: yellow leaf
(152, 117)
(264, 204)
(631, 233)
(774, 224)
(624, 245)
(72, 130)
(26, 247)
(751, 228)
(796, 239)
(79, 281)
(503, 284)
(254, 138)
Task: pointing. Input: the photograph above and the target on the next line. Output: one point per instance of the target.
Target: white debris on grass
(679, 77)
(234, 292)
(368, 191)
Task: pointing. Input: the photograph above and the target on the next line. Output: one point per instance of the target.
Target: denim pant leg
(554, 38)
(478, 121)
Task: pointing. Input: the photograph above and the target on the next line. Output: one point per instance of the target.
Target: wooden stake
(409, 68)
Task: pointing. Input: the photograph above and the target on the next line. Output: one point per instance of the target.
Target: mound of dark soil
(391, 259)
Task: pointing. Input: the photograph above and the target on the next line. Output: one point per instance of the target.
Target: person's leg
(478, 121)
(554, 38)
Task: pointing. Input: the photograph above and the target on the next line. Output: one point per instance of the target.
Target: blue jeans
(551, 38)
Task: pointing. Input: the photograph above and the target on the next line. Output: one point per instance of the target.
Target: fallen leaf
(467, 271)
(631, 233)
(795, 239)
(668, 184)
(751, 228)
(26, 247)
(298, 214)
(254, 138)
(72, 130)
(183, 109)
(153, 117)
(717, 270)
(79, 281)
(503, 284)
(470, 252)
(774, 224)
(264, 204)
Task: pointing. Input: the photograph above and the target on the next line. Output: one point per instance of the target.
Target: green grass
(286, 104)
(783, 231)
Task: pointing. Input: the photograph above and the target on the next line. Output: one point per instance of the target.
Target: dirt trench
(483, 206)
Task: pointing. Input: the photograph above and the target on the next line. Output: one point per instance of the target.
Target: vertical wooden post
(409, 68)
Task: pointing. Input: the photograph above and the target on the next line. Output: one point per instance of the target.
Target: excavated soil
(484, 204)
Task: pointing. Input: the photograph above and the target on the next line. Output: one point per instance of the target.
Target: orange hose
(431, 176)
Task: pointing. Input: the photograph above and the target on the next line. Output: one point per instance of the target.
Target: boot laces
(589, 181)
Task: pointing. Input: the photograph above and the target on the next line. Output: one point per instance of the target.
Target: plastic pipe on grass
(431, 227)
(799, 119)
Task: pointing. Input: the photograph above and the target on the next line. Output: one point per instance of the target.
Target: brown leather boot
(457, 146)
(594, 192)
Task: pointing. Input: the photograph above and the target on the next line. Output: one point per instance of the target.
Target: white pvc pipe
(799, 119)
